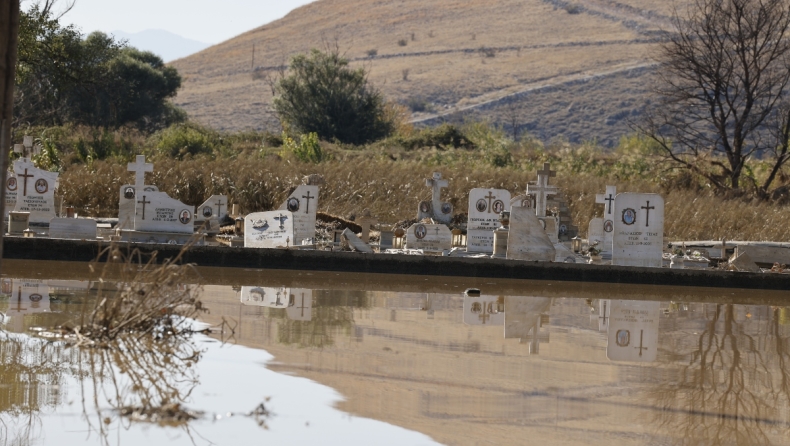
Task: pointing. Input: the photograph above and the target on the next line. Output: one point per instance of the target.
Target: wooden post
(9, 38)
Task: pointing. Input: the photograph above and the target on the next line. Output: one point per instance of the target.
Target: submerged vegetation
(257, 170)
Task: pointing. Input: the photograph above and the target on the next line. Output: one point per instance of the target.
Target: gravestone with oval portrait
(485, 206)
(638, 230)
(216, 207)
(35, 190)
(436, 209)
(127, 203)
(157, 212)
(272, 229)
(429, 238)
(303, 204)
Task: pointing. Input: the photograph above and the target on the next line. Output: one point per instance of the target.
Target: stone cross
(607, 199)
(139, 167)
(436, 184)
(542, 190)
(366, 221)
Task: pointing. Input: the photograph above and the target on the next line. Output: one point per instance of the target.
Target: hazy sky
(209, 21)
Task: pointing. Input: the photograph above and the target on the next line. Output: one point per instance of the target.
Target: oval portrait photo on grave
(128, 193)
(185, 216)
(447, 208)
(629, 216)
(563, 229)
(481, 205)
(293, 204)
(608, 226)
(420, 231)
(36, 297)
(208, 211)
(41, 185)
(498, 206)
(425, 207)
(11, 184)
(623, 338)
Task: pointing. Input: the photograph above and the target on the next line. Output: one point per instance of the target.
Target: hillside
(552, 68)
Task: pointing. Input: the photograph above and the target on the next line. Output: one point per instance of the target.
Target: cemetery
(533, 225)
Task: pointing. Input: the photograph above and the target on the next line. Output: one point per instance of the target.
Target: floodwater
(367, 359)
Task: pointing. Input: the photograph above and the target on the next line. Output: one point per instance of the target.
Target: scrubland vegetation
(257, 171)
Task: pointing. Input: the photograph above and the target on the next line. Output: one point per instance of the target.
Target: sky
(208, 21)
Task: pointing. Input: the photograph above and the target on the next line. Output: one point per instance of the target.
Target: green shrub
(307, 149)
(188, 139)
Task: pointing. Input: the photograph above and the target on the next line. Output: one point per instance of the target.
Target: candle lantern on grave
(501, 235)
(576, 244)
(397, 241)
(238, 226)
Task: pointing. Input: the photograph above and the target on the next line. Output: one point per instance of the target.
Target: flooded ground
(363, 359)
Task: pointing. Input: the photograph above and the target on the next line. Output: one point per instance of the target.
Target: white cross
(139, 167)
(541, 193)
(607, 200)
(437, 184)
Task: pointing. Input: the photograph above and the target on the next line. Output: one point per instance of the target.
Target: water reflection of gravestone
(485, 206)
(300, 306)
(272, 229)
(436, 209)
(484, 310)
(303, 204)
(632, 333)
(35, 191)
(638, 230)
(524, 318)
(604, 314)
(272, 297)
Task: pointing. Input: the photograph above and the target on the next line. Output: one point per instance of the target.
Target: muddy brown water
(367, 359)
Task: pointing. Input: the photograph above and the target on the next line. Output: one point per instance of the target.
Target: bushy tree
(96, 81)
(322, 94)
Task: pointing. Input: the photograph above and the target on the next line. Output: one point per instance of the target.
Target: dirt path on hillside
(498, 97)
(643, 21)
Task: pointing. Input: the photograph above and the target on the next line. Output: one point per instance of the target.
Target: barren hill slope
(553, 67)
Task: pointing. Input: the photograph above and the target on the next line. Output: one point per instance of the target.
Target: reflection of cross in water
(219, 204)
(144, 203)
(19, 301)
(302, 307)
(25, 176)
(647, 217)
(484, 316)
(277, 302)
(490, 197)
(641, 332)
(603, 314)
(307, 205)
(281, 218)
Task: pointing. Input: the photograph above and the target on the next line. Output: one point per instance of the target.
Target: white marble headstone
(429, 238)
(272, 229)
(632, 333)
(595, 232)
(484, 208)
(157, 212)
(35, 191)
(638, 230)
(303, 204)
(73, 228)
(527, 239)
(483, 310)
(215, 207)
(126, 204)
(27, 296)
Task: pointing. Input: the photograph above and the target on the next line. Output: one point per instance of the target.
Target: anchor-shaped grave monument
(157, 218)
(440, 212)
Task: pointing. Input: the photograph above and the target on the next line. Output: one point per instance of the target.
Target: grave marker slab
(127, 203)
(595, 232)
(215, 207)
(484, 310)
(607, 200)
(355, 242)
(527, 240)
(35, 191)
(429, 238)
(272, 229)
(303, 204)
(633, 331)
(436, 209)
(541, 190)
(73, 228)
(484, 208)
(157, 212)
(638, 230)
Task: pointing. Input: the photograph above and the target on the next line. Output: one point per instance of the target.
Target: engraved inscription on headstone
(638, 230)
(157, 212)
(272, 229)
(632, 333)
(484, 208)
(35, 191)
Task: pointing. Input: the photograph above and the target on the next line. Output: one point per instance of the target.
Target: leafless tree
(723, 92)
